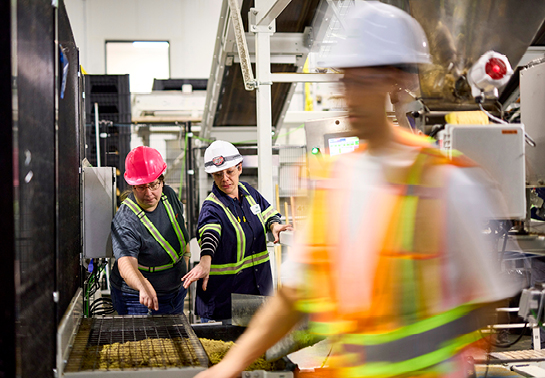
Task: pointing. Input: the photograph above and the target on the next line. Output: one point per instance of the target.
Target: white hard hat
(379, 35)
(220, 155)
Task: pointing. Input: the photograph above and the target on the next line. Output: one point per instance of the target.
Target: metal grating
(520, 355)
(135, 342)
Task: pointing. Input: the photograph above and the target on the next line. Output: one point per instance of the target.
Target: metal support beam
(305, 78)
(268, 10)
(264, 114)
(281, 43)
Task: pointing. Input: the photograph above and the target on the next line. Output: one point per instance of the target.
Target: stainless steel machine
(161, 346)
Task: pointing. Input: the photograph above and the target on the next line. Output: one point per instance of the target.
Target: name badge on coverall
(256, 209)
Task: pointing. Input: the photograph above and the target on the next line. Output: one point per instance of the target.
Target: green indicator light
(315, 150)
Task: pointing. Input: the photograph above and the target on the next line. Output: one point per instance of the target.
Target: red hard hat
(143, 165)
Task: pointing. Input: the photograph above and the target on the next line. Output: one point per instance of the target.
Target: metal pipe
(97, 134)
(190, 176)
(264, 115)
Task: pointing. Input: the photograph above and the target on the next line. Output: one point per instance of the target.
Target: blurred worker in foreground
(232, 233)
(149, 241)
(392, 267)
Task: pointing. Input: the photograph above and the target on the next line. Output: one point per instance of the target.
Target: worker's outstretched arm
(128, 268)
(276, 318)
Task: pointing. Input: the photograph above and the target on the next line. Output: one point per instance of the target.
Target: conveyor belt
(520, 355)
(127, 343)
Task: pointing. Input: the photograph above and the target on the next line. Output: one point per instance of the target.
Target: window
(142, 60)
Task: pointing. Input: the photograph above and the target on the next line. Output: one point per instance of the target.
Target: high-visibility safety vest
(242, 262)
(175, 256)
(396, 334)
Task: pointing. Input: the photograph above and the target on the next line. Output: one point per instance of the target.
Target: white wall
(189, 25)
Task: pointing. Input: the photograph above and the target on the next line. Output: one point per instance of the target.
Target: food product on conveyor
(217, 349)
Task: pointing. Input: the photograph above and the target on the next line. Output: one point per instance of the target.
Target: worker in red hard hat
(150, 241)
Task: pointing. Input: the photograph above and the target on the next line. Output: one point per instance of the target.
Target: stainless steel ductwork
(459, 32)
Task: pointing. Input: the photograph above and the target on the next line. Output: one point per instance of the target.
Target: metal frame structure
(268, 47)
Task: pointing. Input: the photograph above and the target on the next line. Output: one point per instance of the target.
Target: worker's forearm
(128, 268)
(268, 326)
(271, 226)
(206, 261)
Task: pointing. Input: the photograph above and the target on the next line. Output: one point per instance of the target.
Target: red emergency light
(495, 68)
(490, 71)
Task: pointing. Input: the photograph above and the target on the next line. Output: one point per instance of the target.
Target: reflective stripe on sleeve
(211, 227)
(269, 212)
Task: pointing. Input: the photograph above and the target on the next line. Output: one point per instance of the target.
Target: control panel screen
(342, 145)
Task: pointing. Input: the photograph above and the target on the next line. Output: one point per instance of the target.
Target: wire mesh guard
(135, 342)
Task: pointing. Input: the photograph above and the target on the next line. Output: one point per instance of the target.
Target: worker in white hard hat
(232, 228)
(392, 266)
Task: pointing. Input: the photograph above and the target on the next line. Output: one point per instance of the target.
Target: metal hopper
(460, 31)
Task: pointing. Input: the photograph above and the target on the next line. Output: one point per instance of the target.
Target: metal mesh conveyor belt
(520, 355)
(130, 343)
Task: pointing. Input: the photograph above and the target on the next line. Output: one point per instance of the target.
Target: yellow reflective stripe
(241, 240)
(210, 226)
(416, 170)
(409, 205)
(455, 153)
(234, 268)
(252, 202)
(152, 230)
(389, 369)
(155, 268)
(331, 328)
(174, 221)
(315, 305)
(412, 329)
(269, 212)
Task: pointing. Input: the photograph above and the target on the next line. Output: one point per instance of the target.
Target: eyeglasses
(229, 172)
(152, 186)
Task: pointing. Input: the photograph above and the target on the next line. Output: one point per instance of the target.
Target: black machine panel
(7, 273)
(68, 160)
(41, 190)
(34, 184)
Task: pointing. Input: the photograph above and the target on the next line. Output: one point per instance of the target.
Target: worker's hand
(277, 228)
(148, 296)
(201, 270)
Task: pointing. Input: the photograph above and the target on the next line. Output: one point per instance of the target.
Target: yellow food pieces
(150, 353)
(216, 350)
(137, 354)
